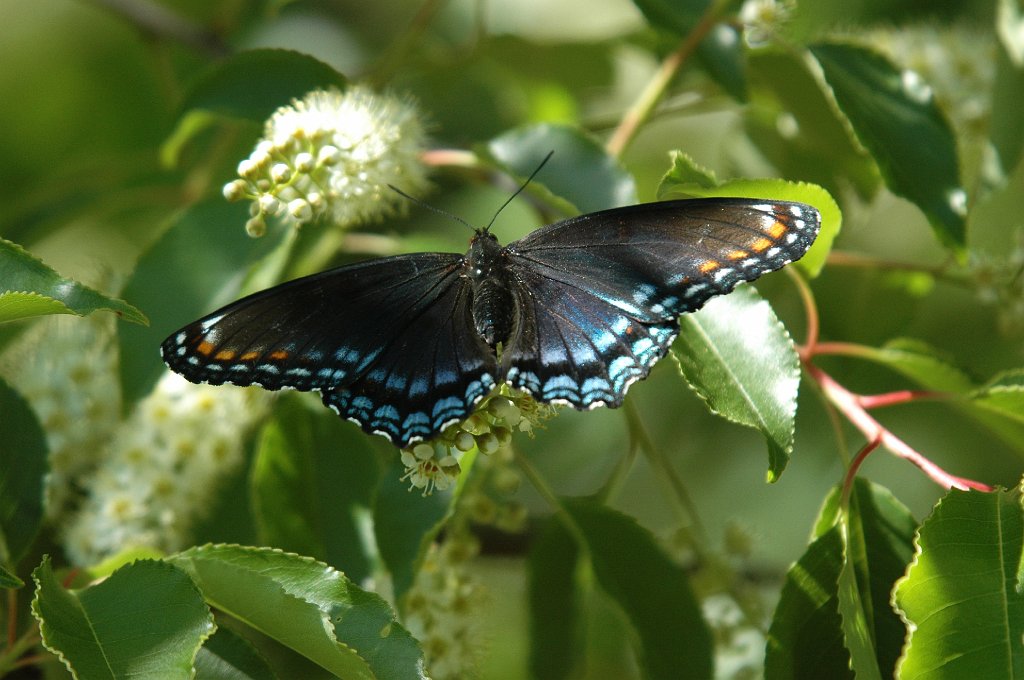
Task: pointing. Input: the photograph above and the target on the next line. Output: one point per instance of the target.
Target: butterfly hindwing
(357, 334)
(432, 373)
(573, 347)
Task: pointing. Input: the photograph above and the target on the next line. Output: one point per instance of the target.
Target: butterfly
(573, 313)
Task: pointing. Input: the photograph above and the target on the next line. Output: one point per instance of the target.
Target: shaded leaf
(252, 84)
(962, 595)
(556, 645)
(307, 606)
(228, 656)
(30, 288)
(895, 117)
(650, 588)
(147, 620)
(313, 480)
(9, 580)
(806, 639)
(738, 357)
(23, 470)
(796, 125)
(405, 522)
(580, 171)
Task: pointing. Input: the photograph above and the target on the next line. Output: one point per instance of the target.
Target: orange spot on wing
(737, 254)
(205, 348)
(279, 354)
(709, 266)
(249, 356)
(761, 245)
(224, 355)
(777, 230)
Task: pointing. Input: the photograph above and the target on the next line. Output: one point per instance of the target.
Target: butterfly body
(579, 309)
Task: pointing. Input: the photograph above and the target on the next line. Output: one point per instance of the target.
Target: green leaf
(9, 580)
(962, 595)
(1004, 394)
(556, 643)
(687, 178)
(994, 408)
(879, 533)
(895, 117)
(722, 55)
(147, 621)
(307, 606)
(795, 124)
(23, 470)
(254, 83)
(738, 357)
(805, 639)
(313, 480)
(228, 656)
(405, 523)
(30, 288)
(1006, 127)
(650, 588)
(673, 16)
(580, 171)
(196, 266)
(921, 363)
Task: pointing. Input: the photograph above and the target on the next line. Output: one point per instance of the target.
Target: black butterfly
(573, 313)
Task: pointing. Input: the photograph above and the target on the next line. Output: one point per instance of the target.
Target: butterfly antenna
(435, 209)
(520, 189)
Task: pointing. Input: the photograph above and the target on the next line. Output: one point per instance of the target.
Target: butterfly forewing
(358, 335)
(659, 260)
(600, 294)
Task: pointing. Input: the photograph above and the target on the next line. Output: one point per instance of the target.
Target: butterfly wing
(389, 344)
(599, 295)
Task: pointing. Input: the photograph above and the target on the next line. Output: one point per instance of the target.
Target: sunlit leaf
(23, 470)
(147, 621)
(30, 288)
(739, 358)
(307, 606)
(962, 595)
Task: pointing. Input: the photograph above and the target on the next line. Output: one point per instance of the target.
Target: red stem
(850, 405)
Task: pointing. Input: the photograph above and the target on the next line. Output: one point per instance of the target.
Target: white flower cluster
(440, 609)
(162, 468)
(435, 464)
(333, 154)
(763, 19)
(73, 389)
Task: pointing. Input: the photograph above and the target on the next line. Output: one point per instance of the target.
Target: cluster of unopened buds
(435, 464)
(332, 154)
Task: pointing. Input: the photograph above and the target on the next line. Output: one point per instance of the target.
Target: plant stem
(849, 404)
(644, 106)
